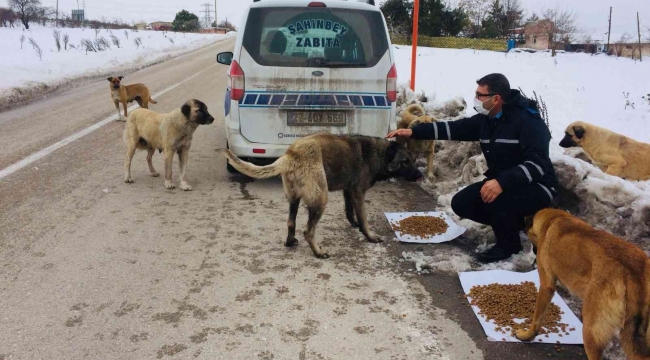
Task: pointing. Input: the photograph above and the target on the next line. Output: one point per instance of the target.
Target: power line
(207, 14)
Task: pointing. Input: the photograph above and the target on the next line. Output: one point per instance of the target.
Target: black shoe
(495, 254)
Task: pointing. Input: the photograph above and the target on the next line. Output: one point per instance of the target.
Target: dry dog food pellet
(421, 226)
(505, 303)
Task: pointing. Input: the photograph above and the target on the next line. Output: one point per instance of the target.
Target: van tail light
(316, 4)
(391, 84)
(236, 81)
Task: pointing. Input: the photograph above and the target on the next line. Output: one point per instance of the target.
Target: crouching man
(515, 142)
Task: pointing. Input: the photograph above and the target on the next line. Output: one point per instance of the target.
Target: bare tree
(26, 10)
(559, 25)
(477, 11)
(7, 17)
(514, 14)
(647, 33)
(618, 48)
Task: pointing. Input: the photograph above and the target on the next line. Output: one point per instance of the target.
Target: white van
(300, 67)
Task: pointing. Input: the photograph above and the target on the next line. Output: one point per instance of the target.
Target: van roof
(340, 4)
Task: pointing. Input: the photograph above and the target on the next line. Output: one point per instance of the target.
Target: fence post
(638, 24)
(414, 51)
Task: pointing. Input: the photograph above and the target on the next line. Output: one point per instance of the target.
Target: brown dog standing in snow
(610, 275)
(128, 93)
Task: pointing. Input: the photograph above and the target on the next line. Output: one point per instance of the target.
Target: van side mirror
(225, 58)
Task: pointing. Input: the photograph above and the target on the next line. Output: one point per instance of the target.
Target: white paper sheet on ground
(453, 231)
(474, 278)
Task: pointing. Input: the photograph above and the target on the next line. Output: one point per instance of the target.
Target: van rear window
(315, 37)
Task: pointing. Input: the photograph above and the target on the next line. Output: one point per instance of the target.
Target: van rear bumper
(243, 148)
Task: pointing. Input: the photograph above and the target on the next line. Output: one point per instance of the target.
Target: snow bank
(24, 74)
(574, 87)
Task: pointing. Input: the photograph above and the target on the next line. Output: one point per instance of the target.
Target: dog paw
(128, 181)
(372, 238)
(154, 174)
(291, 242)
(169, 185)
(525, 335)
(323, 255)
(185, 186)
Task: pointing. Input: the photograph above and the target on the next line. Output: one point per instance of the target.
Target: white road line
(50, 149)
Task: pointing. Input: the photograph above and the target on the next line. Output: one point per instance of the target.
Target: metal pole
(56, 23)
(638, 24)
(414, 52)
(609, 32)
(215, 14)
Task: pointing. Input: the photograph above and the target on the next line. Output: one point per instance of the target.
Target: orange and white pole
(414, 51)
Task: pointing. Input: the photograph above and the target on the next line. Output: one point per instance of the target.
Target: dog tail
(255, 171)
(415, 110)
(152, 100)
(635, 336)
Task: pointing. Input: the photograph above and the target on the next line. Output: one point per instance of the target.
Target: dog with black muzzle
(169, 133)
(613, 153)
(319, 163)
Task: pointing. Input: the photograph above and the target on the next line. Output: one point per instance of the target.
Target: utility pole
(215, 14)
(609, 32)
(206, 14)
(414, 49)
(638, 25)
(56, 23)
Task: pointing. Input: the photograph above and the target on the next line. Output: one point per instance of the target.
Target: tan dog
(610, 275)
(127, 94)
(319, 163)
(170, 133)
(413, 115)
(613, 153)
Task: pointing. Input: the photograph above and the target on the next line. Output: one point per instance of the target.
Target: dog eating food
(503, 304)
(421, 226)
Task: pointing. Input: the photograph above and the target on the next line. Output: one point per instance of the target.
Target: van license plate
(316, 118)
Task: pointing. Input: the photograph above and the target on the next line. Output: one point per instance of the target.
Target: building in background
(161, 26)
(78, 15)
(536, 34)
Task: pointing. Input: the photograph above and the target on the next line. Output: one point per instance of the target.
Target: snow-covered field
(595, 89)
(25, 74)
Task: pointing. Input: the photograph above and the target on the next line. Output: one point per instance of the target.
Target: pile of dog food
(504, 303)
(421, 226)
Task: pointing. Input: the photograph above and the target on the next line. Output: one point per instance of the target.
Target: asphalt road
(93, 268)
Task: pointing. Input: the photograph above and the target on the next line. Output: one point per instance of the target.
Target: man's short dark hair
(496, 84)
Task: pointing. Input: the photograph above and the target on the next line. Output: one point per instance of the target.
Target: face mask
(478, 106)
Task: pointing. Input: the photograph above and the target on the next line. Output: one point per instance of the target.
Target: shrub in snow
(66, 40)
(22, 40)
(137, 42)
(102, 44)
(171, 40)
(97, 32)
(37, 49)
(57, 39)
(126, 33)
(628, 103)
(88, 45)
(115, 40)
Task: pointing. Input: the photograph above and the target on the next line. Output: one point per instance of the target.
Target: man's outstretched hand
(490, 191)
(400, 132)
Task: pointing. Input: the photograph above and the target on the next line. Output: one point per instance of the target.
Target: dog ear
(120, 77)
(186, 109)
(579, 131)
(110, 78)
(393, 148)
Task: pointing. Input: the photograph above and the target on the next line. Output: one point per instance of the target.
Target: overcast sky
(592, 14)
